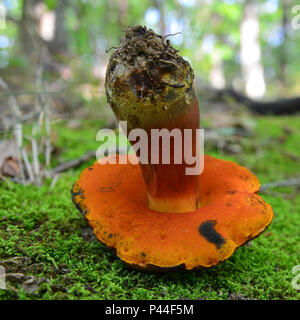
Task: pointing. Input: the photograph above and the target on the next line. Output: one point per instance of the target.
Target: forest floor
(49, 251)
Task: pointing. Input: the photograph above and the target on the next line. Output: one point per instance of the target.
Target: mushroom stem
(169, 188)
(151, 87)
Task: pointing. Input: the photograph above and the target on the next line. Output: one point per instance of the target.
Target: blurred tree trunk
(30, 31)
(122, 13)
(251, 63)
(216, 75)
(28, 28)
(285, 5)
(59, 44)
(159, 5)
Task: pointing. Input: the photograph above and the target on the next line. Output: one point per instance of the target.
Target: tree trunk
(59, 44)
(122, 13)
(251, 64)
(159, 5)
(216, 76)
(283, 52)
(30, 40)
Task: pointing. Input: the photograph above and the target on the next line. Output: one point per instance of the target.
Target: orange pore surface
(114, 199)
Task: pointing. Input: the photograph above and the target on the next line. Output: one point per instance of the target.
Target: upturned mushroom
(154, 215)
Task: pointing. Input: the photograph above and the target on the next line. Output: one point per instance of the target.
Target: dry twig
(282, 183)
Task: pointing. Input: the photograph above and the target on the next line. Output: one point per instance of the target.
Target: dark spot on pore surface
(208, 231)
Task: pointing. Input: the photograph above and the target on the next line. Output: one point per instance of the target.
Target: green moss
(42, 227)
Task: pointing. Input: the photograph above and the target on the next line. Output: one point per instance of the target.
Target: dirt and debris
(148, 63)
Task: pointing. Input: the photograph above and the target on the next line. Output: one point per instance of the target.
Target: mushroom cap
(113, 199)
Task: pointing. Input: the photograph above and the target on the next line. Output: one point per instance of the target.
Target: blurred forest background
(54, 53)
(53, 58)
(250, 45)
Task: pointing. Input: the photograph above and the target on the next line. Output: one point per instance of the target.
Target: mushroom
(155, 216)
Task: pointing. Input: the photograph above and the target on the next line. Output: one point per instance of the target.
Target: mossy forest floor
(49, 251)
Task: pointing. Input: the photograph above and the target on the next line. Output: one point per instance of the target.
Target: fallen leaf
(10, 167)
